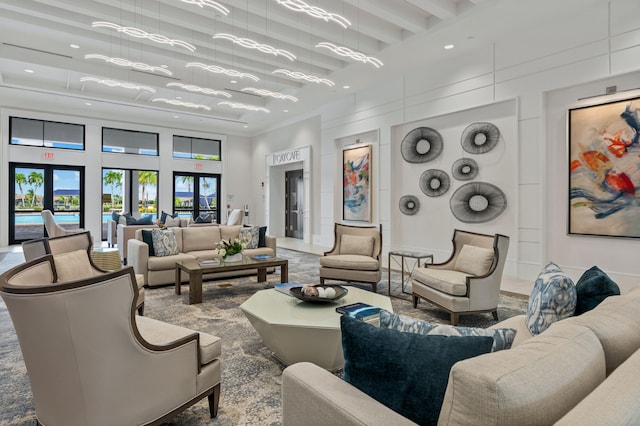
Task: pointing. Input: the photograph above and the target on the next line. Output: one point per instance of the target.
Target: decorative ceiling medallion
(194, 88)
(114, 83)
(421, 145)
(479, 138)
(316, 12)
(219, 70)
(346, 52)
(465, 169)
(252, 44)
(477, 202)
(214, 4)
(237, 105)
(264, 92)
(434, 182)
(409, 205)
(176, 102)
(127, 63)
(138, 33)
(301, 76)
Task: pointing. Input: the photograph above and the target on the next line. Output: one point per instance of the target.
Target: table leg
(195, 288)
(389, 274)
(178, 280)
(262, 275)
(284, 273)
(402, 276)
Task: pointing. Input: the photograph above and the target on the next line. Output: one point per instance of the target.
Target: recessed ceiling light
(234, 81)
(285, 110)
(178, 97)
(164, 66)
(74, 46)
(245, 126)
(176, 116)
(346, 86)
(29, 71)
(87, 103)
(449, 46)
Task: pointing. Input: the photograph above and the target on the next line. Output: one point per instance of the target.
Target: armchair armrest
(270, 242)
(311, 394)
(138, 253)
(112, 233)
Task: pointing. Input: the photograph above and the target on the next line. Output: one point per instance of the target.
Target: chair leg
(321, 280)
(415, 301)
(374, 287)
(454, 318)
(141, 310)
(214, 399)
(495, 315)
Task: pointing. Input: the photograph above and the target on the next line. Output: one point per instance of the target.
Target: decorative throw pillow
(407, 372)
(592, 288)
(164, 215)
(164, 242)
(115, 217)
(474, 260)
(553, 298)
(73, 265)
(172, 222)
(262, 240)
(502, 337)
(251, 235)
(356, 244)
(129, 218)
(204, 218)
(144, 220)
(147, 238)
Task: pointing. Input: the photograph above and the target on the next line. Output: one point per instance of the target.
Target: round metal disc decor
(434, 182)
(420, 145)
(464, 169)
(477, 202)
(409, 205)
(479, 138)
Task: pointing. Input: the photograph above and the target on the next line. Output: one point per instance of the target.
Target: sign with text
(286, 157)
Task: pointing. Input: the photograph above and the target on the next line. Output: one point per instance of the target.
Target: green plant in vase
(230, 247)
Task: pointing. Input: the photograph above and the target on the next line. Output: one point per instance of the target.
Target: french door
(196, 194)
(36, 187)
(294, 209)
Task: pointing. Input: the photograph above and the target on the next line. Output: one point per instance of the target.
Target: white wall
(593, 43)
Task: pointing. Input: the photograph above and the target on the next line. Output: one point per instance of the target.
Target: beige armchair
(355, 256)
(469, 281)
(235, 217)
(52, 227)
(33, 249)
(91, 360)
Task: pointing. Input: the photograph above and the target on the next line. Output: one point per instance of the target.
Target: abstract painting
(604, 169)
(356, 184)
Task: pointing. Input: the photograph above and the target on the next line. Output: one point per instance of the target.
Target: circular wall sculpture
(420, 145)
(434, 182)
(477, 202)
(479, 138)
(465, 169)
(409, 205)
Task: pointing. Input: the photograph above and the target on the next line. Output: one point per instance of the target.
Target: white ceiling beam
(443, 9)
(402, 17)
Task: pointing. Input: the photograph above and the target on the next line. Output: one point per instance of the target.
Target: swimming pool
(36, 218)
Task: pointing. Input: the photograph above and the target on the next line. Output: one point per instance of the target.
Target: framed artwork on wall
(604, 169)
(356, 184)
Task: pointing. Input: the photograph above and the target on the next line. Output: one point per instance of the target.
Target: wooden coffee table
(197, 271)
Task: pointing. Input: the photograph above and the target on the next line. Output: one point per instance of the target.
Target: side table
(106, 258)
(403, 255)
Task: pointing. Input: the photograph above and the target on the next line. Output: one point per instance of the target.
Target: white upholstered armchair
(52, 227)
(355, 256)
(469, 281)
(92, 361)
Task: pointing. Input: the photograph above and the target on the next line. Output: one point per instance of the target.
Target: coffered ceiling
(166, 52)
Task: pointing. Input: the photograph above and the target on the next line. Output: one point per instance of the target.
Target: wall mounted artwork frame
(356, 183)
(604, 169)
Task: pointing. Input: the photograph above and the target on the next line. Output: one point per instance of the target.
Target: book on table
(285, 287)
(208, 262)
(359, 310)
(262, 257)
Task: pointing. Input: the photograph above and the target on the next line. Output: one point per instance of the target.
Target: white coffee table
(298, 331)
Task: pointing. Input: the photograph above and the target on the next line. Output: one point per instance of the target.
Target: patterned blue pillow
(553, 298)
(502, 337)
(164, 242)
(250, 235)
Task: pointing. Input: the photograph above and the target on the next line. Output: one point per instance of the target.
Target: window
(46, 134)
(196, 148)
(188, 187)
(129, 141)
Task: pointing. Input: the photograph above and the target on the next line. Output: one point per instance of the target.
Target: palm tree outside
(146, 179)
(113, 178)
(36, 180)
(21, 179)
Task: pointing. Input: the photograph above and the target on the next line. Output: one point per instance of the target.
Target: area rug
(250, 391)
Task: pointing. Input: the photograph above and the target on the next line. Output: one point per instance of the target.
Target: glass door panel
(188, 187)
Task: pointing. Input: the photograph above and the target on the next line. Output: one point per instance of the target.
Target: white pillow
(474, 260)
(356, 244)
(172, 222)
(74, 265)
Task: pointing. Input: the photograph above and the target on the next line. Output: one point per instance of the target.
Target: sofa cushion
(164, 242)
(474, 260)
(534, 383)
(553, 298)
(230, 232)
(502, 337)
(407, 372)
(73, 265)
(350, 261)
(356, 244)
(147, 238)
(444, 280)
(164, 263)
(592, 288)
(200, 238)
(251, 235)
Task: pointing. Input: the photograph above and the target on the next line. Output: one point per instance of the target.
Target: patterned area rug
(250, 393)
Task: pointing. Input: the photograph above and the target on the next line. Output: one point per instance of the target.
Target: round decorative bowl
(340, 293)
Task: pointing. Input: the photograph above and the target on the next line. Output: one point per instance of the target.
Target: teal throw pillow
(204, 218)
(553, 298)
(147, 237)
(502, 337)
(262, 237)
(145, 220)
(407, 372)
(592, 288)
(164, 215)
(164, 242)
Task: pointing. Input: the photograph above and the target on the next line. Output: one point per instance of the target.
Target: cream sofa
(193, 242)
(582, 370)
